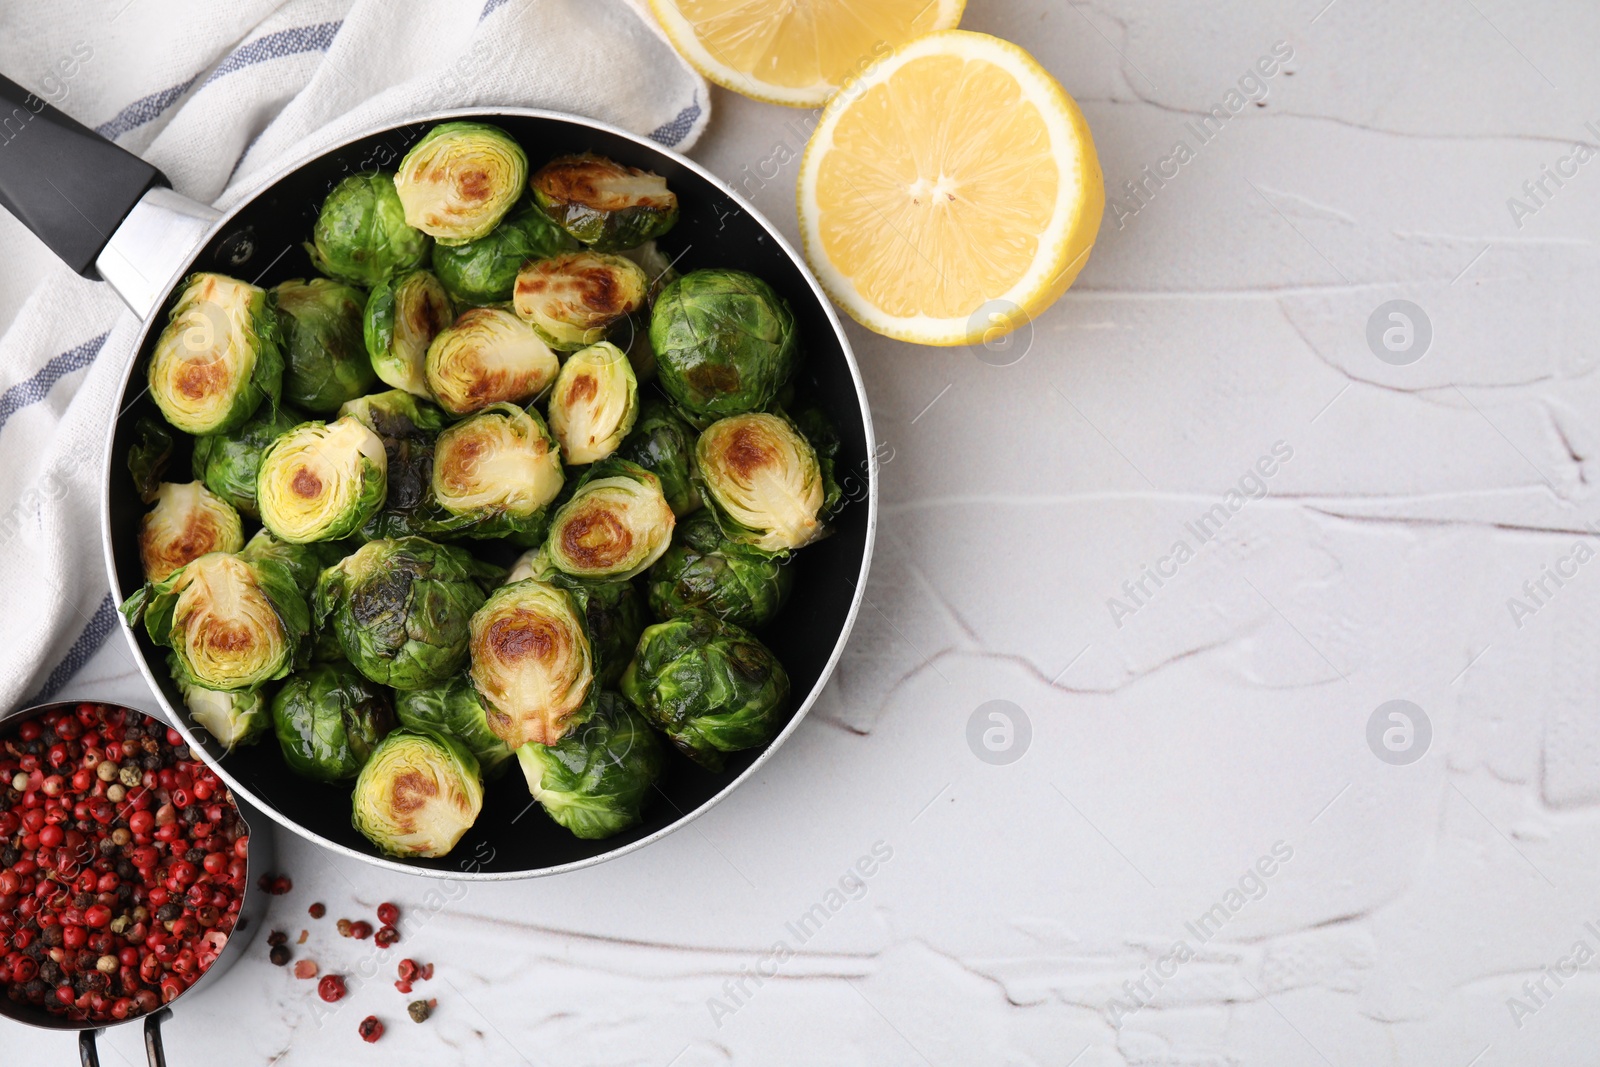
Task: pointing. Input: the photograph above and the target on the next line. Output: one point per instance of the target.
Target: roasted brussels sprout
(724, 342)
(815, 426)
(486, 357)
(303, 563)
(594, 403)
(321, 481)
(763, 480)
(218, 357)
(187, 522)
(231, 623)
(328, 719)
(400, 321)
(705, 571)
(573, 299)
(596, 780)
(663, 444)
(604, 204)
(495, 473)
(325, 359)
(361, 236)
(708, 685)
(613, 612)
(455, 710)
(417, 795)
(406, 426)
(228, 462)
(531, 662)
(615, 525)
(459, 181)
(485, 271)
(233, 717)
(149, 457)
(401, 608)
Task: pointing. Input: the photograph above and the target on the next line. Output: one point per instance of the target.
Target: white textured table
(1199, 858)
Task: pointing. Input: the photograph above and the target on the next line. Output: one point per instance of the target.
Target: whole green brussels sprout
(709, 686)
(485, 271)
(231, 623)
(322, 481)
(417, 795)
(407, 427)
(228, 462)
(615, 524)
(454, 710)
(187, 522)
(218, 357)
(303, 563)
(593, 403)
(602, 203)
(401, 609)
(761, 478)
(613, 612)
(531, 662)
(459, 181)
(574, 299)
(663, 444)
(495, 474)
(328, 719)
(402, 317)
(488, 356)
(325, 357)
(725, 343)
(362, 236)
(233, 717)
(704, 570)
(595, 781)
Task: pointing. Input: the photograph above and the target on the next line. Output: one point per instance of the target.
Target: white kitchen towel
(219, 96)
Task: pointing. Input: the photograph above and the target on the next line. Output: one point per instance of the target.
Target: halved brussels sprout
(321, 481)
(329, 719)
(488, 356)
(596, 780)
(657, 266)
(594, 403)
(401, 608)
(418, 795)
(361, 236)
(459, 181)
(406, 426)
(400, 321)
(325, 359)
(573, 299)
(708, 685)
(724, 342)
(705, 571)
(233, 717)
(485, 271)
(187, 522)
(218, 357)
(762, 478)
(302, 563)
(455, 710)
(150, 456)
(531, 662)
(228, 462)
(663, 444)
(231, 623)
(613, 612)
(615, 525)
(604, 204)
(495, 473)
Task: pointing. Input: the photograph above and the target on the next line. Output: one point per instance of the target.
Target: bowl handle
(152, 1037)
(88, 1055)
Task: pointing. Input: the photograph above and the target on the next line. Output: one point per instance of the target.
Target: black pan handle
(88, 1055)
(65, 182)
(152, 1038)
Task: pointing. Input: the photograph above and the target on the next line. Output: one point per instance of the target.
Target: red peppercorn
(370, 1029)
(331, 988)
(361, 929)
(388, 914)
(317, 910)
(386, 936)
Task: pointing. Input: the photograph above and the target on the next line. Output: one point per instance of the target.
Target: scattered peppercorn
(303, 935)
(279, 955)
(331, 988)
(318, 910)
(361, 929)
(276, 937)
(419, 1010)
(305, 968)
(386, 936)
(370, 1029)
(388, 914)
(343, 926)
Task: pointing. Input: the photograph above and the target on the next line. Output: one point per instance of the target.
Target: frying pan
(252, 908)
(109, 215)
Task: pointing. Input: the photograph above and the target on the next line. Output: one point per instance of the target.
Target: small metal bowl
(252, 906)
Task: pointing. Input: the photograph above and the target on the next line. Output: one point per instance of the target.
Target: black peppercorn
(168, 912)
(279, 955)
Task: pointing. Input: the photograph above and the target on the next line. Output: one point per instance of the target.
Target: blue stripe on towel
(676, 130)
(83, 649)
(32, 390)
